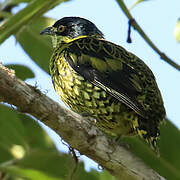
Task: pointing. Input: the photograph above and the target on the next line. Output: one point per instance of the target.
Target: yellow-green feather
(82, 96)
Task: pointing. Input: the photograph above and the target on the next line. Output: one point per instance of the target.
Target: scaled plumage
(99, 78)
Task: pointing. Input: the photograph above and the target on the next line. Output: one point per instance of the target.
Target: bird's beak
(48, 31)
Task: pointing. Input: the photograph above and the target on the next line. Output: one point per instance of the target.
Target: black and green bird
(96, 77)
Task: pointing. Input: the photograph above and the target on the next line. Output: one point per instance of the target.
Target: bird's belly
(85, 98)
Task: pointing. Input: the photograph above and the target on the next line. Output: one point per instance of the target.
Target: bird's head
(70, 28)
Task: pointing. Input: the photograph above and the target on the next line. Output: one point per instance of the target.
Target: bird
(101, 79)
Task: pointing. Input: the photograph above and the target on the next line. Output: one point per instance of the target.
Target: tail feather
(149, 131)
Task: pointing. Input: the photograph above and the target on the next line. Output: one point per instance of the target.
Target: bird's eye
(61, 28)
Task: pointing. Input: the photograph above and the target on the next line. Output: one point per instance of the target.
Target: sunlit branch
(145, 37)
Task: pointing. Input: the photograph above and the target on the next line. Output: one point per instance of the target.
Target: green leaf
(13, 2)
(16, 137)
(168, 164)
(4, 14)
(48, 164)
(136, 3)
(177, 31)
(33, 10)
(27, 173)
(40, 164)
(11, 134)
(81, 174)
(37, 47)
(27, 151)
(22, 72)
(39, 139)
(48, 161)
(105, 175)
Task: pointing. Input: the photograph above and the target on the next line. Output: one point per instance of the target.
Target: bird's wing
(111, 68)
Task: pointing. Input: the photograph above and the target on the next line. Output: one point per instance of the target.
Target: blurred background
(157, 18)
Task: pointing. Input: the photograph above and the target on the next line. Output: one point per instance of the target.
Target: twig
(78, 131)
(145, 37)
(129, 32)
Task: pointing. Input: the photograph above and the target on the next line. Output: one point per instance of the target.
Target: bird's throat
(55, 41)
(59, 40)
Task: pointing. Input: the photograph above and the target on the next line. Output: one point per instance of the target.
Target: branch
(145, 37)
(78, 131)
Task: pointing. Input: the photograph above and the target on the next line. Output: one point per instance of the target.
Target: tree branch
(78, 131)
(145, 37)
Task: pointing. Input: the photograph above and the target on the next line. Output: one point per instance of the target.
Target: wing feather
(111, 68)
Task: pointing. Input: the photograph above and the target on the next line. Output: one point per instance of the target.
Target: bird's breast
(85, 98)
(75, 90)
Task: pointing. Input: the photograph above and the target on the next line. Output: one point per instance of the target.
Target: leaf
(22, 72)
(177, 31)
(14, 2)
(135, 3)
(7, 3)
(27, 173)
(32, 11)
(39, 138)
(168, 164)
(28, 152)
(81, 174)
(40, 164)
(105, 175)
(37, 47)
(11, 134)
(16, 137)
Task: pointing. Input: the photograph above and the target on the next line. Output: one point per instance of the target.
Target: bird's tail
(149, 131)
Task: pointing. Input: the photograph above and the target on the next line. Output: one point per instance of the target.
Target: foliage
(177, 31)
(22, 72)
(168, 163)
(136, 3)
(29, 35)
(26, 150)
